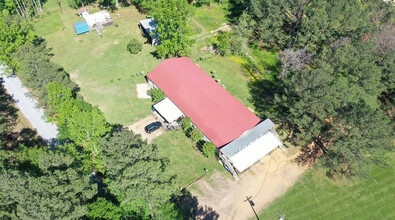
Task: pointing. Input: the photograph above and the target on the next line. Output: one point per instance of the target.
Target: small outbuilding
(98, 19)
(168, 110)
(251, 146)
(148, 26)
(81, 27)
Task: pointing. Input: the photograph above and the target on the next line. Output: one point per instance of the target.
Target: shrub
(134, 46)
(208, 149)
(156, 95)
(196, 135)
(221, 42)
(223, 45)
(186, 123)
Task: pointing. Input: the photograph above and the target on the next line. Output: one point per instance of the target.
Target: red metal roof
(219, 115)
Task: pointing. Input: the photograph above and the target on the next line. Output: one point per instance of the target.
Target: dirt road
(264, 182)
(28, 106)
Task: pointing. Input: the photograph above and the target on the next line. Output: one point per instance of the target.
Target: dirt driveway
(264, 182)
(138, 127)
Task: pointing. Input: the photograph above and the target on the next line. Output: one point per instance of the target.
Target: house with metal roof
(240, 136)
(148, 26)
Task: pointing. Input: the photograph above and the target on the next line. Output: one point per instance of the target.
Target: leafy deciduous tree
(172, 17)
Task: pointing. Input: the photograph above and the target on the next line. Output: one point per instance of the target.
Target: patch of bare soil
(263, 182)
(138, 127)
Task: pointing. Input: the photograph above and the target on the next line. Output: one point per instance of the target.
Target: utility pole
(252, 205)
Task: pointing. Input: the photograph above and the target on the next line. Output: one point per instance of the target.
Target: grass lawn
(102, 67)
(231, 75)
(314, 196)
(211, 18)
(185, 161)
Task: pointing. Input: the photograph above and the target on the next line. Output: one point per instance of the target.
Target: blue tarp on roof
(81, 27)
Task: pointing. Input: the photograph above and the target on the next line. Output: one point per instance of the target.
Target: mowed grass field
(315, 196)
(105, 71)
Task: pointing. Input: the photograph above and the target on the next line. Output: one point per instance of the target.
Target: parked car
(153, 127)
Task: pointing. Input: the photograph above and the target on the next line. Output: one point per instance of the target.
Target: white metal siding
(255, 151)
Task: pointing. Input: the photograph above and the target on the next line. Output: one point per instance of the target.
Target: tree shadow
(262, 96)
(236, 9)
(190, 208)
(29, 137)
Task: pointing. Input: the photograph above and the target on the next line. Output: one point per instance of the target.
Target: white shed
(149, 27)
(251, 146)
(168, 110)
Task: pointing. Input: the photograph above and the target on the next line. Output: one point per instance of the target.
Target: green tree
(320, 103)
(362, 137)
(208, 149)
(104, 209)
(134, 46)
(186, 124)
(37, 71)
(85, 128)
(14, 32)
(301, 23)
(172, 17)
(58, 190)
(157, 95)
(78, 121)
(196, 135)
(136, 174)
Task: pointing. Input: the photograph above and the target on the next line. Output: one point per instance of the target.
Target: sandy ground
(264, 182)
(138, 127)
(142, 91)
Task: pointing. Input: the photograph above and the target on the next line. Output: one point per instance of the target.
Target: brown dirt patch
(264, 181)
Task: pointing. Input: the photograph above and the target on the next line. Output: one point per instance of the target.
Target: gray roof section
(149, 25)
(247, 137)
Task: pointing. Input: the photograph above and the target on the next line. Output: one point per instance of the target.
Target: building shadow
(190, 208)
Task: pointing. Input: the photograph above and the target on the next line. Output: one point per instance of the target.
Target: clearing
(264, 182)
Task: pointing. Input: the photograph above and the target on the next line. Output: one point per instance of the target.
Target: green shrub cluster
(134, 46)
(157, 95)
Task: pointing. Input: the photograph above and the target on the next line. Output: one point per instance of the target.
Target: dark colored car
(152, 127)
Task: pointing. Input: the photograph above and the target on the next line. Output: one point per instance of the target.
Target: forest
(332, 92)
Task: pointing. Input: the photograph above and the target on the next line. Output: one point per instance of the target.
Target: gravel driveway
(27, 105)
(138, 127)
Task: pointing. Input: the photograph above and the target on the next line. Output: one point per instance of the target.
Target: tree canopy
(334, 67)
(172, 17)
(137, 175)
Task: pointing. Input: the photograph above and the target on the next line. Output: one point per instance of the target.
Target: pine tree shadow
(262, 96)
(190, 208)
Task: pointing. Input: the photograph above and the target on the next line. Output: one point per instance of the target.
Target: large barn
(241, 137)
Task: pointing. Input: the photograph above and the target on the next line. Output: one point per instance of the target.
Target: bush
(223, 45)
(208, 149)
(196, 135)
(186, 123)
(221, 42)
(156, 95)
(134, 46)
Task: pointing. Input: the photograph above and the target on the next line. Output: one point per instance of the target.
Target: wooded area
(334, 93)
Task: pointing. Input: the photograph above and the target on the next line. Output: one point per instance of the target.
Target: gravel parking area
(138, 127)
